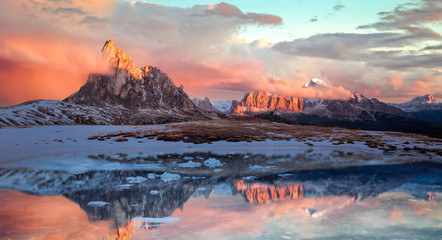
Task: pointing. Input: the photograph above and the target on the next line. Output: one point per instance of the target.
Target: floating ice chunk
(156, 220)
(249, 178)
(222, 189)
(137, 179)
(188, 158)
(201, 189)
(97, 203)
(189, 164)
(154, 192)
(218, 170)
(166, 177)
(246, 156)
(125, 186)
(151, 176)
(259, 167)
(212, 163)
(283, 175)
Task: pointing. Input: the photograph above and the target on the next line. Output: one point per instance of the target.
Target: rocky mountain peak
(119, 59)
(315, 82)
(431, 99)
(263, 101)
(130, 86)
(205, 104)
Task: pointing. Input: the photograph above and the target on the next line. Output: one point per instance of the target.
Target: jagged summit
(119, 59)
(426, 99)
(315, 82)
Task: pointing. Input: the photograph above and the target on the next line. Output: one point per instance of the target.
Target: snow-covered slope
(50, 112)
(222, 105)
(421, 103)
(205, 104)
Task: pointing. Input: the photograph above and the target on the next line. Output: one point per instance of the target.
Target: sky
(389, 50)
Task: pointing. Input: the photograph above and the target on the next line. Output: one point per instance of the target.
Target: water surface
(375, 202)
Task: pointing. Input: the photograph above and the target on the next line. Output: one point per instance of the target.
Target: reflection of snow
(166, 177)
(189, 164)
(156, 220)
(212, 163)
(259, 167)
(97, 203)
(137, 179)
(154, 192)
(222, 189)
(249, 178)
(126, 186)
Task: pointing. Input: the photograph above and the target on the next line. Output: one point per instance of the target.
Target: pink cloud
(396, 81)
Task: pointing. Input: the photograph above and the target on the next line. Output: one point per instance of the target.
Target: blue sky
(297, 16)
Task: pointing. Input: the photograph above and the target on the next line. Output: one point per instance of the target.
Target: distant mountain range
(145, 95)
(425, 107)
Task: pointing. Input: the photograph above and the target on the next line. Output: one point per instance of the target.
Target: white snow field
(67, 148)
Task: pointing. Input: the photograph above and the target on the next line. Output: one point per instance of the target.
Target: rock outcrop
(133, 87)
(258, 102)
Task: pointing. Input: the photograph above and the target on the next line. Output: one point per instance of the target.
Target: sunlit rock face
(254, 102)
(131, 86)
(119, 59)
(261, 193)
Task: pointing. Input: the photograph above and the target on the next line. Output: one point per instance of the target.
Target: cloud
(410, 17)
(372, 62)
(231, 11)
(338, 7)
(198, 47)
(265, 18)
(276, 80)
(66, 11)
(396, 81)
(434, 47)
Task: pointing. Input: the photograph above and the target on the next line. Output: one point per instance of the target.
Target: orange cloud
(46, 66)
(396, 81)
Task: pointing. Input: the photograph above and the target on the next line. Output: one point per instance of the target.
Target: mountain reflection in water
(124, 204)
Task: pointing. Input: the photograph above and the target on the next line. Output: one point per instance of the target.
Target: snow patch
(189, 164)
(213, 163)
(137, 179)
(97, 203)
(156, 220)
(154, 192)
(166, 177)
